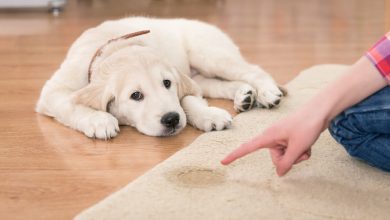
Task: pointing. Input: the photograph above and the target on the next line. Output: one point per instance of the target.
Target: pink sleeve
(379, 55)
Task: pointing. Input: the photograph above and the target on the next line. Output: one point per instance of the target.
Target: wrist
(318, 111)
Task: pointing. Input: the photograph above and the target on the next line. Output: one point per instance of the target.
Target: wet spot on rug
(196, 177)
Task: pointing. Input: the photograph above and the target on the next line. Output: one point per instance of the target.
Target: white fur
(173, 50)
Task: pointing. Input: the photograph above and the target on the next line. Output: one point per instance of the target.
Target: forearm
(360, 81)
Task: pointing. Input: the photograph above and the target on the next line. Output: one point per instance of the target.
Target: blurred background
(283, 36)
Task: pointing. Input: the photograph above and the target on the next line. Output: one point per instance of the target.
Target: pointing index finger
(259, 142)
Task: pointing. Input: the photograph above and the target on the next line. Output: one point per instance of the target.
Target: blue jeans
(364, 129)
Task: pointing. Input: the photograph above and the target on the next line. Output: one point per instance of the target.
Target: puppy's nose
(170, 119)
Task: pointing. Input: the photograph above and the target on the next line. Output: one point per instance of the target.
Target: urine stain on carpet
(196, 177)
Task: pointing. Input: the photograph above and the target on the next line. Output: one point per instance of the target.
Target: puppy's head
(140, 89)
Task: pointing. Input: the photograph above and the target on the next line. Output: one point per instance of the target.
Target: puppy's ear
(186, 86)
(94, 95)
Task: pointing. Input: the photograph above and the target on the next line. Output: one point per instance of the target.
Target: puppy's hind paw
(245, 98)
(101, 125)
(269, 95)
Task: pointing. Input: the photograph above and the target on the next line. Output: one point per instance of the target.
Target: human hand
(289, 141)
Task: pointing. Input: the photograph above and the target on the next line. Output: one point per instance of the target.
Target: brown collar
(100, 50)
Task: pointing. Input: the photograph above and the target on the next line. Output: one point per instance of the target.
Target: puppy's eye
(137, 96)
(167, 83)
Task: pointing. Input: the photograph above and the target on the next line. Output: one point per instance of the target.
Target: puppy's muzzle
(170, 119)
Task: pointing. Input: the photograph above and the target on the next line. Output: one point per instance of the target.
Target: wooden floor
(48, 171)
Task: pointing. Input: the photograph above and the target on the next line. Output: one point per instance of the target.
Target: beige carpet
(193, 185)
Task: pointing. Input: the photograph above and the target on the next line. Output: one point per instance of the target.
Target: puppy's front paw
(245, 98)
(268, 94)
(212, 118)
(101, 125)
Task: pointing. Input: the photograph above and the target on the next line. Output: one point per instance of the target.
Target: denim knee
(345, 133)
(373, 148)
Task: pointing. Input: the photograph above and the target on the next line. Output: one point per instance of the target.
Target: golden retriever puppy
(151, 74)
